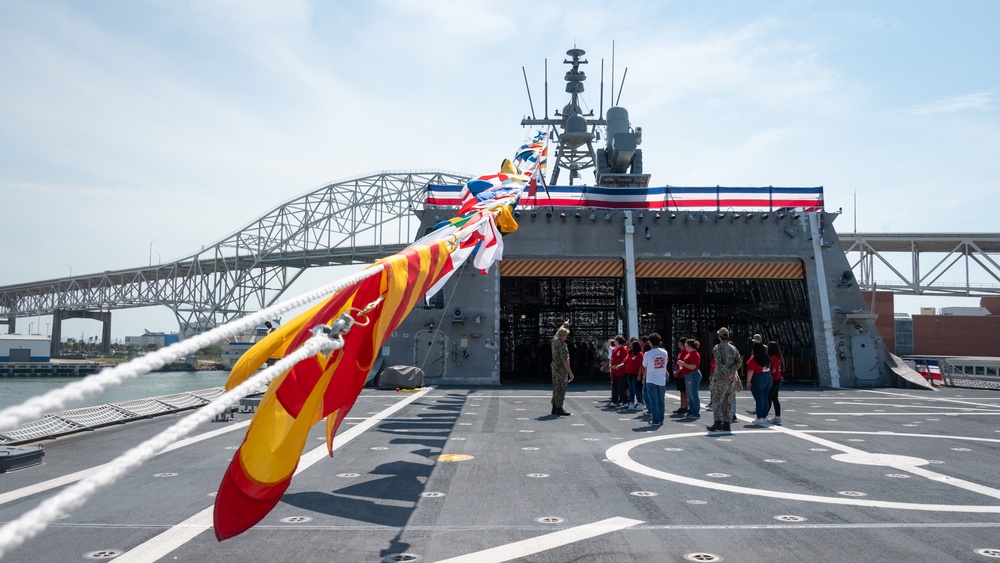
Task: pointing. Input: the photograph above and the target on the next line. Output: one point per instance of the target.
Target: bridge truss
(954, 264)
(354, 221)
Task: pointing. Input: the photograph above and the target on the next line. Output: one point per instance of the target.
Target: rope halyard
(487, 208)
(325, 339)
(91, 386)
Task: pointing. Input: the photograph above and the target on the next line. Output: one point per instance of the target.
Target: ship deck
(851, 475)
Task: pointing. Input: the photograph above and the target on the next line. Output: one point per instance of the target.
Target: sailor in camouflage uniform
(561, 371)
(726, 381)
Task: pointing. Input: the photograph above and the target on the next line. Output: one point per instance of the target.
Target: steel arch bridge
(357, 220)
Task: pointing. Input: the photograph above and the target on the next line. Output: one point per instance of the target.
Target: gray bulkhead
(459, 343)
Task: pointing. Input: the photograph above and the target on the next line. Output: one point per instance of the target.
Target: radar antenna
(574, 130)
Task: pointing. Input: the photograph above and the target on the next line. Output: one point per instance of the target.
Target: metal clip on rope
(334, 333)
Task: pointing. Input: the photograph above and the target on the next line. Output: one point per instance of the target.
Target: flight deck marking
(939, 399)
(963, 413)
(546, 542)
(164, 543)
(861, 403)
(619, 454)
(84, 473)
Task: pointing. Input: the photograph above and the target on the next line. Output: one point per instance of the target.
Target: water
(16, 390)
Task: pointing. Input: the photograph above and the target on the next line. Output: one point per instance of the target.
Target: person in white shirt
(654, 369)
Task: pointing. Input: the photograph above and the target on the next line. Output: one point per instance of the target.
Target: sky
(137, 132)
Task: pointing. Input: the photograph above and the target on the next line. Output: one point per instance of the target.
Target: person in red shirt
(678, 378)
(619, 387)
(774, 351)
(633, 364)
(759, 379)
(690, 373)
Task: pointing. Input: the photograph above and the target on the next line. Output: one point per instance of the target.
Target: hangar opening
(673, 298)
(695, 299)
(536, 297)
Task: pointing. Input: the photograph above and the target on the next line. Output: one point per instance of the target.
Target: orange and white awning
(720, 270)
(562, 268)
(789, 270)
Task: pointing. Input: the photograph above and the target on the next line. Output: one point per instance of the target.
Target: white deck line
(935, 399)
(163, 544)
(525, 548)
(84, 473)
(960, 413)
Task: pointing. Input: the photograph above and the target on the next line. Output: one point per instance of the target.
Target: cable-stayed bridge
(362, 219)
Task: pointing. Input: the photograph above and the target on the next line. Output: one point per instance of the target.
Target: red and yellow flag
(327, 386)
(319, 387)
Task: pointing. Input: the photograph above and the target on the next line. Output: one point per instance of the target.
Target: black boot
(555, 411)
(726, 427)
(562, 413)
(717, 427)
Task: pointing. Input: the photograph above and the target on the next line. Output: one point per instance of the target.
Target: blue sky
(130, 126)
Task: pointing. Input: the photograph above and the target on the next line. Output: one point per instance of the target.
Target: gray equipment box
(401, 377)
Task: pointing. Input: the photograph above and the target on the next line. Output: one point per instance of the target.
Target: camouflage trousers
(559, 381)
(722, 390)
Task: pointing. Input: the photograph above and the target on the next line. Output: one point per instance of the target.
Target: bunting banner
(653, 198)
(326, 386)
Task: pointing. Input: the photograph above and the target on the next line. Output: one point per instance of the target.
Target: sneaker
(762, 422)
(776, 420)
(612, 404)
(735, 419)
(709, 407)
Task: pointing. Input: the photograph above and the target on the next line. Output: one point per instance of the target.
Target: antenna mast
(602, 89)
(621, 86)
(528, 88)
(546, 88)
(612, 69)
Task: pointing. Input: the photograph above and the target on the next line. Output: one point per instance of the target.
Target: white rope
(33, 522)
(93, 385)
(325, 340)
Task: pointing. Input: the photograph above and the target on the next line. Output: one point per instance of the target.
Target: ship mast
(619, 163)
(574, 130)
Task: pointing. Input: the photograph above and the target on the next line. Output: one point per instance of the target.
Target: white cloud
(970, 102)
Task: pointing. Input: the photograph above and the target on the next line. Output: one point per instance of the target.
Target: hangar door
(695, 298)
(536, 296)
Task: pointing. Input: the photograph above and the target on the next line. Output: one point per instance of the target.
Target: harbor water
(14, 391)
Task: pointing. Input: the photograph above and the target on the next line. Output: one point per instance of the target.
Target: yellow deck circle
(451, 457)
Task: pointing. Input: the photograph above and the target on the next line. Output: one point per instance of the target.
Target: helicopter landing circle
(619, 455)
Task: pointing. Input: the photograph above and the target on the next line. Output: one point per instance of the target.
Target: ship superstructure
(616, 255)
